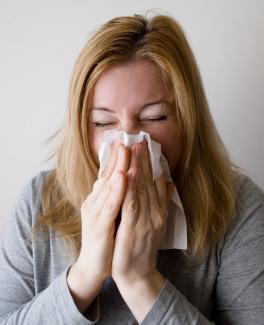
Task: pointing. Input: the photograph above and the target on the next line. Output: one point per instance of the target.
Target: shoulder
(35, 183)
(248, 222)
(249, 197)
(28, 203)
(246, 188)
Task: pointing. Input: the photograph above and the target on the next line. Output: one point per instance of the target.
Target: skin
(121, 100)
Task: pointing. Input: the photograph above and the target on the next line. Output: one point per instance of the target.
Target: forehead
(129, 83)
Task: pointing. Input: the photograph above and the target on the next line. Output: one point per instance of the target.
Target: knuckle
(115, 179)
(97, 184)
(141, 187)
(107, 188)
(132, 206)
(159, 222)
(132, 173)
(146, 232)
(148, 180)
(104, 178)
(106, 174)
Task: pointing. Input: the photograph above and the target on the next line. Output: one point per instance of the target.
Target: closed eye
(102, 125)
(155, 119)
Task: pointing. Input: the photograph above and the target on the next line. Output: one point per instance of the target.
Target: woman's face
(133, 97)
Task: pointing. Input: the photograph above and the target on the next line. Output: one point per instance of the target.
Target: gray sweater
(227, 288)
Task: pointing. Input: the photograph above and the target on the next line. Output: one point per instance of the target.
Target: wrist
(83, 287)
(85, 275)
(152, 278)
(141, 293)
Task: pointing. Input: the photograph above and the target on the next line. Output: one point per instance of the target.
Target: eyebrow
(142, 108)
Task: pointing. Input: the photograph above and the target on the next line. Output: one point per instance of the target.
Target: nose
(129, 125)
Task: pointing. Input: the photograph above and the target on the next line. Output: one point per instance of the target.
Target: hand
(143, 220)
(141, 230)
(98, 213)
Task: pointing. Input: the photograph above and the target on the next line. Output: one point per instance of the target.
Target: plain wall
(40, 41)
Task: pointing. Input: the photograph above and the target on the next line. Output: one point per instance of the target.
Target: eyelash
(151, 120)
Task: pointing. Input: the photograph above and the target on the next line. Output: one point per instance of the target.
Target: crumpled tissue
(176, 229)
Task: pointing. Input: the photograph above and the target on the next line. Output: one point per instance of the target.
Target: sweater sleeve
(239, 296)
(19, 303)
(172, 308)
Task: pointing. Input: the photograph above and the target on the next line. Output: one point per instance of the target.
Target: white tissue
(176, 230)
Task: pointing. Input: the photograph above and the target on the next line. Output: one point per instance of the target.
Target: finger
(130, 207)
(145, 163)
(112, 189)
(97, 188)
(160, 187)
(147, 178)
(135, 152)
(130, 204)
(110, 203)
(122, 161)
(118, 164)
(135, 168)
(143, 200)
(139, 200)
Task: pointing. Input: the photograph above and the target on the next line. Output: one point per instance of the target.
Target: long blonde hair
(204, 175)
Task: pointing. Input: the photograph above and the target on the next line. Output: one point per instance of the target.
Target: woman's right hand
(98, 214)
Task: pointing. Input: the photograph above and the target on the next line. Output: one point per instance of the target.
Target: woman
(65, 259)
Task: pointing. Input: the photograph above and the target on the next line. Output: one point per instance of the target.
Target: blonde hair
(204, 175)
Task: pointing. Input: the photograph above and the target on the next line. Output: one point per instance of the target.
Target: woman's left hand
(139, 235)
(143, 220)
